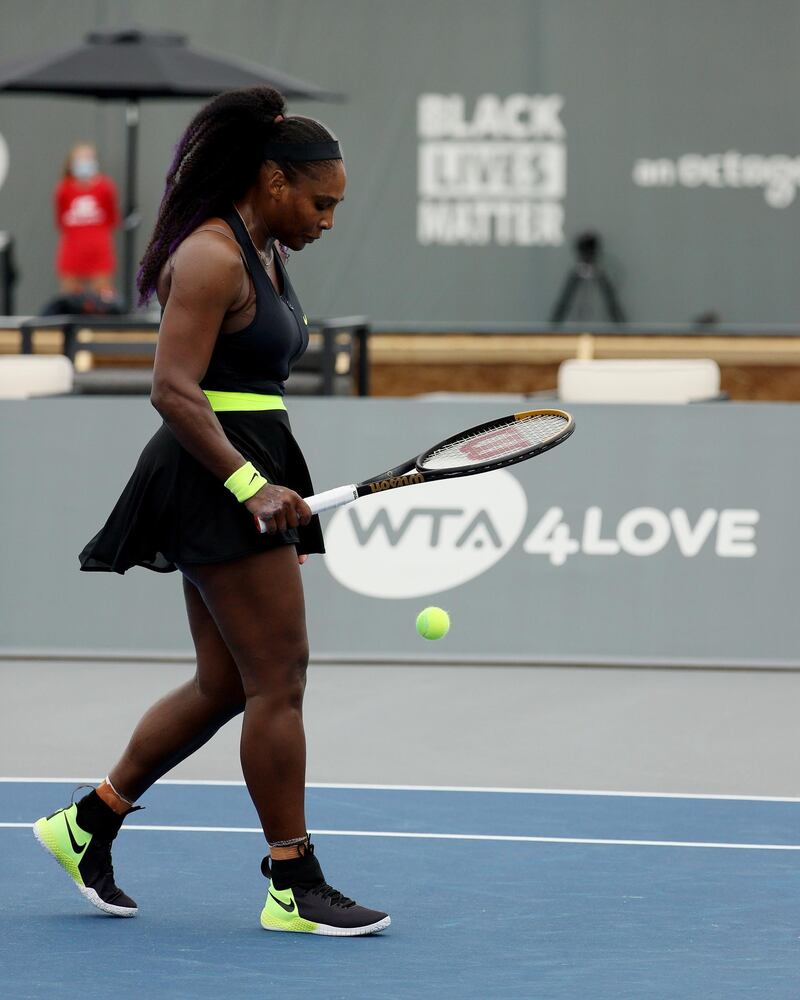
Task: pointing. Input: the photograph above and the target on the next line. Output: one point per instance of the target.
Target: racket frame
(495, 463)
(411, 472)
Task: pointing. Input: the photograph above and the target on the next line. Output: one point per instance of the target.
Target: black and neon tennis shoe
(300, 900)
(79, 837)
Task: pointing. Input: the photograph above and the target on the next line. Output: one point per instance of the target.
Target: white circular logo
(4, 160)
(424, 539)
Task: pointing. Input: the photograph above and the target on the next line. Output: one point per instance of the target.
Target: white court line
(494, 838)
(438, 788)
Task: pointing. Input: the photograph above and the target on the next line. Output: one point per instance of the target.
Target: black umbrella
(131, 65)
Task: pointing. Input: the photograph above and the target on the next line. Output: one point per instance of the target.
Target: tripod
(585, 274)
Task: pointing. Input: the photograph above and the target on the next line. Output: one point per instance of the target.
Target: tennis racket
(489, 446)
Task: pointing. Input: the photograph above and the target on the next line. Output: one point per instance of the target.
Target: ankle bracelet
(288, 843)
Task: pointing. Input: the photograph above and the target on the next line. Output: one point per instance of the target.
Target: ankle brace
(303, 872)
(97, 818)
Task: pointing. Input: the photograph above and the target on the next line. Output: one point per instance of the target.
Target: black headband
(302, 152)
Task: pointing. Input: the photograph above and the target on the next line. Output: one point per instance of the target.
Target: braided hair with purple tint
(216, 161)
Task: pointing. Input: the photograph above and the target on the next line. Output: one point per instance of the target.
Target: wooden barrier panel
(752, 367)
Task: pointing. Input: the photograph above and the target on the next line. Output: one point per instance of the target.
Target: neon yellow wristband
(245, 482)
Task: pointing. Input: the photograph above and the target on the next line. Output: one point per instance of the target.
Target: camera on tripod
(585, 278)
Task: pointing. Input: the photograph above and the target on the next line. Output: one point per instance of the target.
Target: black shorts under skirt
(174, 512)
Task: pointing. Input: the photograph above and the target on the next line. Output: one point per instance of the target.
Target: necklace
(267, 259)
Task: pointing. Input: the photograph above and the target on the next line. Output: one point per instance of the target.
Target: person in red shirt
(86, 216)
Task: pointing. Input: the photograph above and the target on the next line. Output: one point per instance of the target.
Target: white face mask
(84, 167)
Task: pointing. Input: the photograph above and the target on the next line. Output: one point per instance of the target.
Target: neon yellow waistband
(221, 401)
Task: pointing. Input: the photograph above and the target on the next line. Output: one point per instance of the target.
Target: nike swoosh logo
(253, 477)
(76, 847)
(284, 906)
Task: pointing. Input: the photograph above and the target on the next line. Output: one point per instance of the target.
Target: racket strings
(497, 442)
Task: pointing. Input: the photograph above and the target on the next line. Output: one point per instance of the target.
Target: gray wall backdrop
(662, 534)
(641, 80)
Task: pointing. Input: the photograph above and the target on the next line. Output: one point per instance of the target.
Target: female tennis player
(247, 182)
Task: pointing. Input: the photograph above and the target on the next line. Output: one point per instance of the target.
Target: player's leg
(80, 836)
(257, 603)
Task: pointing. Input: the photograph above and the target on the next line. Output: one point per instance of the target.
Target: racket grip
(332, 498)
(323, 501)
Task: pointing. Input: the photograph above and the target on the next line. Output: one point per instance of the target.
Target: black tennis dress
(173, 511)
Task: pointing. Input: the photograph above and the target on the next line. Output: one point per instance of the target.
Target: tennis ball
(433, 623)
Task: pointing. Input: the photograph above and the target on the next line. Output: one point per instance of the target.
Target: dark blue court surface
(504, 897)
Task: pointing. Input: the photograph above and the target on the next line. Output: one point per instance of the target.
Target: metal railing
(343, 348)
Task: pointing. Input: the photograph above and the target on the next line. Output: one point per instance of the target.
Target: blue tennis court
(501, 894)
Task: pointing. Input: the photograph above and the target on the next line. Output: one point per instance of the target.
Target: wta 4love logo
(431, 538)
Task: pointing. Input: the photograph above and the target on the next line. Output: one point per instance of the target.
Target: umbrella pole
(131, 220)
